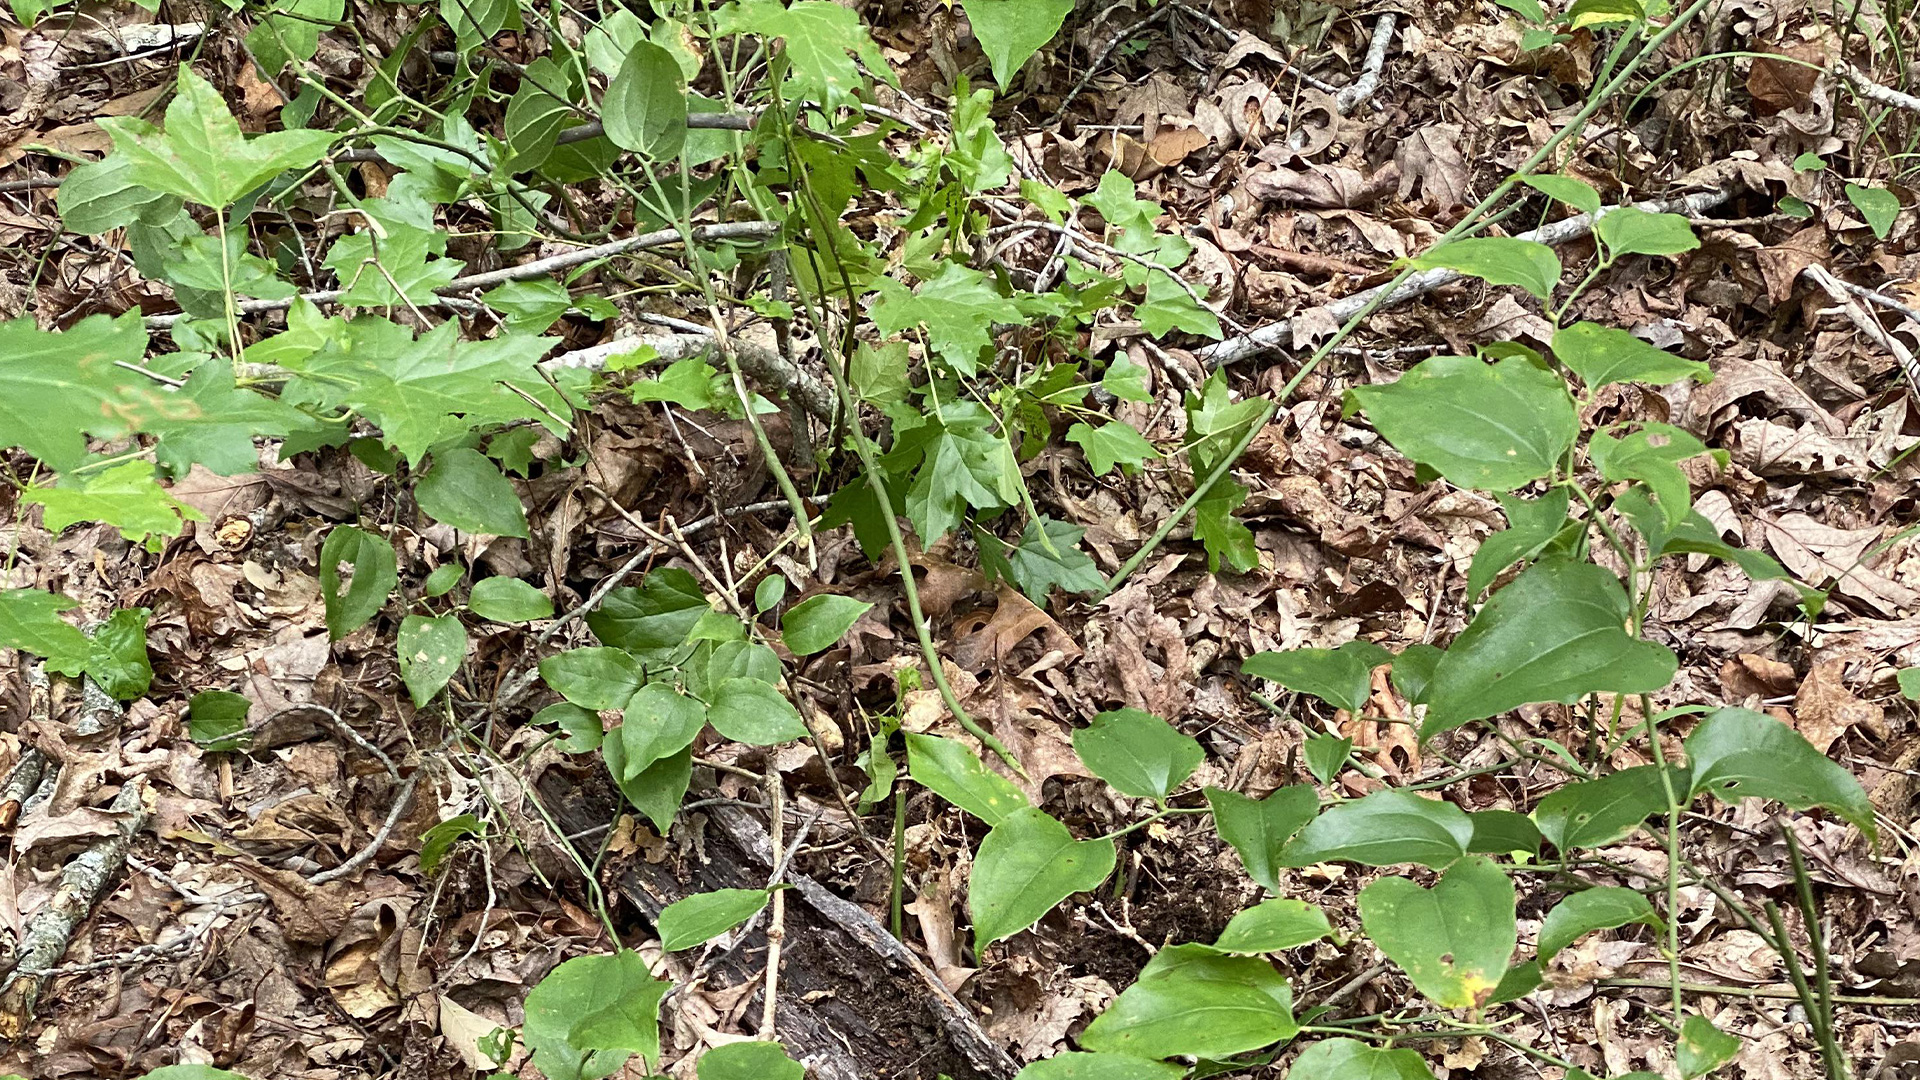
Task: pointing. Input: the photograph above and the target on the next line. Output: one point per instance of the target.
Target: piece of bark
(855, 1004)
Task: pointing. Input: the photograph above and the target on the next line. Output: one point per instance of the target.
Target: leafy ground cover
(1011, 537)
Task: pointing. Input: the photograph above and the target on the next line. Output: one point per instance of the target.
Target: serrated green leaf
(1190, 1000)
(1453, 940)
(691, 384)
(371, 577)
(1384, 829)
(101, 196)
(1112, 444)
(594, 677)
(1488, 426)
(698, 919)
(1126, 380)
(1591, 813)
(749, 1061)
(1602, 355)
(1137, 752)
(126, 496)
(1037, 570)
(1011, 31)
(1499, 260)
(819, 622)
(958, 307)
(821, 40)
(1341, 677)
(202, 156)
(1592, 909)
(754, 712)
(1575, 193)
(508, 600)
(1738, 753)
(530, 306)
(1630, 230)
(1169, 307)
(961, 464)
(645, 109)
(1272, 926)
(1028, 863)
(1555, 633)
(218, 428)
(58, 388)
(467, 491)
(291, 31)
(1878, 206)
(956, 774)
(1258, 829)
(431, 650)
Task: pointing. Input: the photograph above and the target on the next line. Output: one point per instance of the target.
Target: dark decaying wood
(854, 1003)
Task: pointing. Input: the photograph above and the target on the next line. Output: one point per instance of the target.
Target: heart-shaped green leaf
(1350, 1059)
(1878, 206)
(654, 619)
(1556, 633)
(1384, 829)
(1259, 828)
(1192, 1001)
(1492, 427)
(1453, 940)
(655, 791)
(817, 622)
(1630, 230)
(373, 575)
(1340, 677)
(1137, 752)
(658, 723)
(1739, 753)
(754, 712)
(645, 110)
(749, 1061)
(594, 677)
(431, 650)
(1593, 909)
(1028, 863)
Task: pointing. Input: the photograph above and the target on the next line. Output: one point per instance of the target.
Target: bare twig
(1369, 81)
(1864, 320)
(1279, 335)
(766, 366)
(1873, 91)
(1100, 59)
(8, 187)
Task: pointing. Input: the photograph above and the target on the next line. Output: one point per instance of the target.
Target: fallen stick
(50, 929)
(1864, 320)
(1873, 91)
(767, 367)
(1279, 335)
(1363, 88)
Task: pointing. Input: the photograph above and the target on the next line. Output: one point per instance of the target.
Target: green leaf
(1737, 753)
(1556, 633)
(1258, 829)
(508, 600)
(956, 774)
(582, 727)
(1326, 755)
(117, 655)
(1697, 535)
(1190, 1000)
(1112, 444)
(58, 388)
(818, 622)
(1588, 13)
(1011, 31)
(645, 109)
(1488, 426)
(125, 496)
(962, 464)
(1036, 570)
(1877, 205)
(594, 678)
(216, 718)
(700, 918)
(530, 306)
(658, 723)
(1502, 832)
(465, 490)
(1026, 865)
(101, 196)
(401, 267)
(1650, 455)
(958, 307)
(1592, 909)
(1341, 677)
(1126, 380)
(437, 841)
(372, 575)
(1630, 230)
(569, 993)
(1592, 813)
(1227, 539)
(1273, 925)
(754, 712)
(1575, 193)
(1453, 940)
(1074, 1065)
(1413, 671)
(655, 791)
(443, 579)
(1602, 355)
(279, 38)
(30, 621)
(654, 619)
(768, 594)
(1498, 260)
(1909, 680)
(1138, 753)
(1703, 1047)
(1169, 307)
(431, 650)
(750, 1061)
(1350, 1059)
(1383, 829)
(202, 156)
(619, 1009)
(1531, 526)
(819, 36)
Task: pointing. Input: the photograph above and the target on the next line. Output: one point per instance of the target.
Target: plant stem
(1199, 494)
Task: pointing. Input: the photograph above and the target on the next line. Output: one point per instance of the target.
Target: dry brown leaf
(1824, 709)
